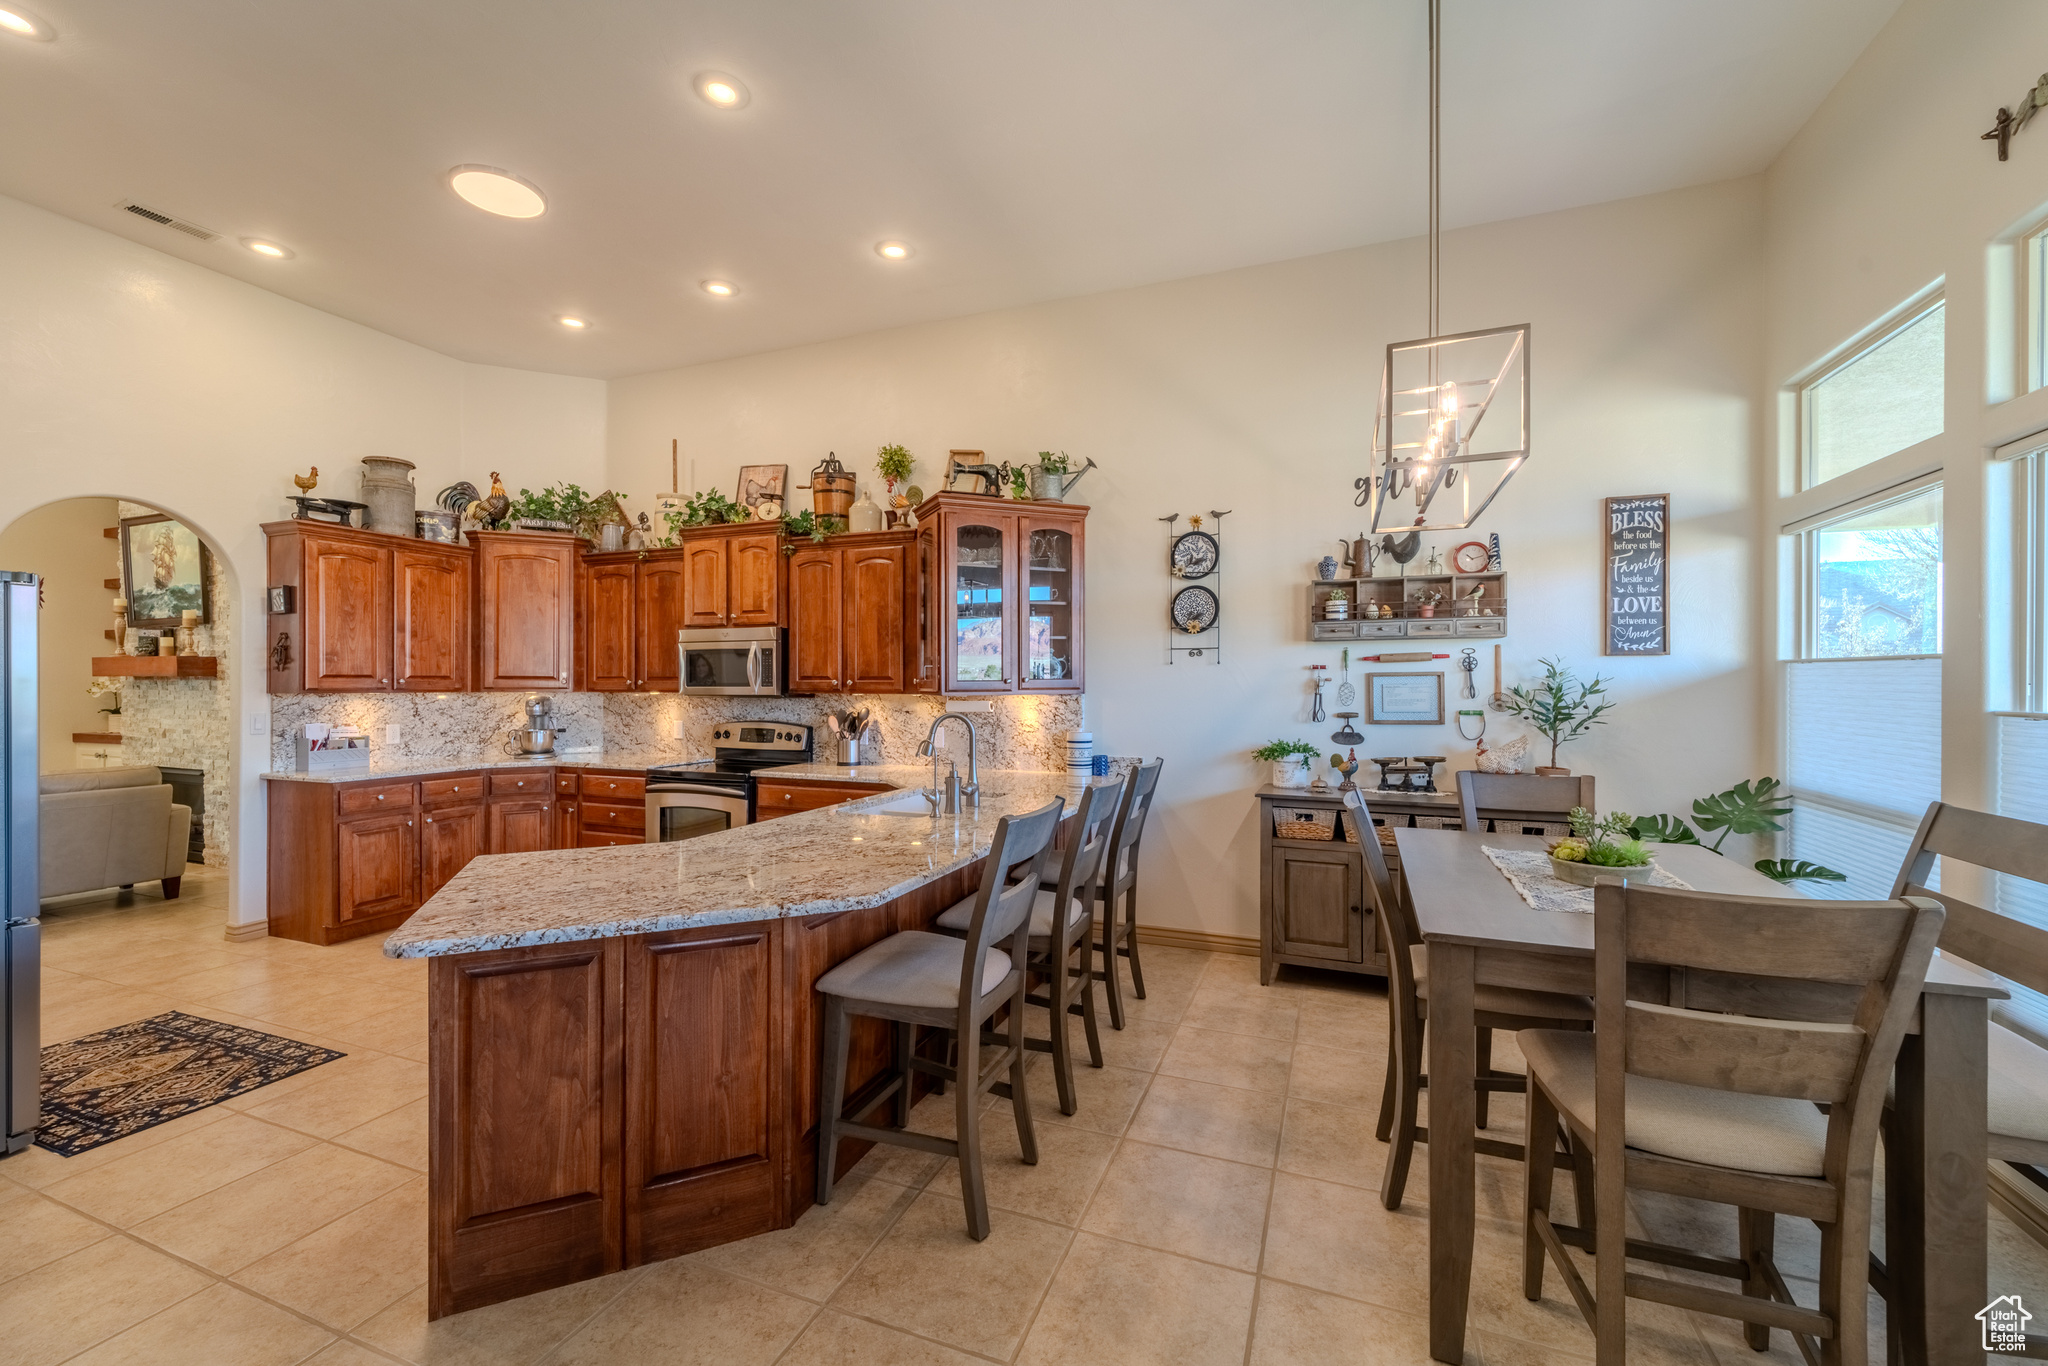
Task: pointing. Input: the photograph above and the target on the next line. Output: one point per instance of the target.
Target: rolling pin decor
(1407, 657)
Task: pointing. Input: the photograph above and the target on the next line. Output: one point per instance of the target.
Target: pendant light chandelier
(1453, 424)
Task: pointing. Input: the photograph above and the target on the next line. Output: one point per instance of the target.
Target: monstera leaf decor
(1748, 808)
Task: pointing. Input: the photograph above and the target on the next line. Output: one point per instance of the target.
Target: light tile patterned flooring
(1214, 1201)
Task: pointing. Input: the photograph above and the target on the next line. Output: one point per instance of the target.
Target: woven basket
(1319, 826)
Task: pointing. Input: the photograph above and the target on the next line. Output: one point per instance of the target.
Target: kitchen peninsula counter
(624, 1042)
(607, 759)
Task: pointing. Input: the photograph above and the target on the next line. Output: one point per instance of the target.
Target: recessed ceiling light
(22, 24)
(498, 192)
(720, 91)
(893, 251)
(263, 247)
(721, 288)
(573, 324)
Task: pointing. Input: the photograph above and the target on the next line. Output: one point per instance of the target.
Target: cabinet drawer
(1431, 628)
(565, 784)
(1382, 628)
(537, 783)
(611, 817)
(1483, 626)
(788, 798)
(1333, 630)
(361, 801)
(611, 787)
(463, 789)
(605, 839)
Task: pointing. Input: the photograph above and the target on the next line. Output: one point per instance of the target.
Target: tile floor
(1214, 1200)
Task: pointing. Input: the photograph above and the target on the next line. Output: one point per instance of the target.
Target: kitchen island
(624, 1045)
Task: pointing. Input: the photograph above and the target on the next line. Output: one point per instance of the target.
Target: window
(1883, 398)
(1874, 581)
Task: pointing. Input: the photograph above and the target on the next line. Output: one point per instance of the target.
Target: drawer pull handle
(380, 796)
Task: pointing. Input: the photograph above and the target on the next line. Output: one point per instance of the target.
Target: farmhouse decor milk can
(388, 492)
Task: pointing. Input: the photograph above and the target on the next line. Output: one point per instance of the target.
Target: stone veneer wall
(188, 722)
(1016, 732)
(434, 725)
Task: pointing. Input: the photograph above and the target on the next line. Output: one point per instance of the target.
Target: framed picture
(166, 571)
(1404, 699)
(762, 484)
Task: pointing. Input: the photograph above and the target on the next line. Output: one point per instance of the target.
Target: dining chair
(1070, 989)
(1721, 1024)
(1408, 999)
(1120, 882)
(915, 977)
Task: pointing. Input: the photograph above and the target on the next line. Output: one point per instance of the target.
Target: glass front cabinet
(1003, 611)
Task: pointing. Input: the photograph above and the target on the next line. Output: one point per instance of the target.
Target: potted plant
(1049, 476)
(100, 687)
(1560, 708)
(1289, 759)
(893, 463)
(565, 507)
(1598, 847)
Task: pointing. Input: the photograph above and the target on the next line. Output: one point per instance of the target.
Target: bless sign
(1638, 541)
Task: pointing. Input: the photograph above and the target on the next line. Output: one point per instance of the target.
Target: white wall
(131, 374)
(66, 545)
(1885, 191)
(1253, 391)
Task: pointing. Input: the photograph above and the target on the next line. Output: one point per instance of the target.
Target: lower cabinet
(449, 838)
(520, 825)
(774, 798)
(379, 874)
(1315, 905)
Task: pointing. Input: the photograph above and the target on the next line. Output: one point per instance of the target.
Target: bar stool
(915, 978)
(1408, 997)
(1070, 990)
(1120, 879)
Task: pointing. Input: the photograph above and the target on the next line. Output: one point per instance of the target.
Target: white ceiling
(1029, 149)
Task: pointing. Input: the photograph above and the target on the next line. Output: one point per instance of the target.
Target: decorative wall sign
(1637, 609)
(1404, 699)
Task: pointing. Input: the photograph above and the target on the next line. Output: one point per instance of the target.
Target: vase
(1291, 772)
(864, 515)
(1326, 568)
(388, 494)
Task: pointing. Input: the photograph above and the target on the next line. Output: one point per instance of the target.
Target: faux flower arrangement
(1600, 842)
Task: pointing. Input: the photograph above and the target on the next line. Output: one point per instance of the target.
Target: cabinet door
(704, 563)
(345, 589)
(658, 612)
(449, 838)
(520, 825)
(981, 570)
(609, 632)
(1049, 575)
(924, 607)
(871, 582)
(1318, 903)
(565, 824)
(754, 574)
(431, 594)
(815, 620)
(526, 586)
(379, 874)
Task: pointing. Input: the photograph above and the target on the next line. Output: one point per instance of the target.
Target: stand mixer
(537, 736)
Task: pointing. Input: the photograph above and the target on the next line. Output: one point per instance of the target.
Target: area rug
(133, 1077)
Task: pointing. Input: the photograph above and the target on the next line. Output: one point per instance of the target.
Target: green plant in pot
(1598, 846)
(1745, 809)
(1289, 758)
(1560, 708)
(564, 507)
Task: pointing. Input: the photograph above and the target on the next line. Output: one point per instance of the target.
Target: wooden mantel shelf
(95, 737)
(156, 666)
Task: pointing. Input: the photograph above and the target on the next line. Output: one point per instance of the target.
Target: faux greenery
(1744, 809)
(1017, 489)
(1560, 707)
(1051, 463)
(1607, 841)
(704, 509)
(807, 523)
(893, 463)
(565, 503)
(1285, 749)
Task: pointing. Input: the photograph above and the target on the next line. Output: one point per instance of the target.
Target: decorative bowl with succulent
(1598, 847)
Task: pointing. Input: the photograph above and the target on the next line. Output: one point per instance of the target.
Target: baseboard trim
(1197, 939)
(2025, 1203)
(255, 929)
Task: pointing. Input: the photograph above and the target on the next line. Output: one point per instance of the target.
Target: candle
(120, 604)
(191, 616)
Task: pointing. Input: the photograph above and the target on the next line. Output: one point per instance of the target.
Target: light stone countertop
(839, 858)
(423, 768)
(894, 775)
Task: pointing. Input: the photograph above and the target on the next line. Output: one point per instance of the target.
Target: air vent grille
(158, 216)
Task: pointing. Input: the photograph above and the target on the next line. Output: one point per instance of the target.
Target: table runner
(1528, 872)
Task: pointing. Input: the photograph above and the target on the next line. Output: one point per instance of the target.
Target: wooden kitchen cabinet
(1003, 594)
(449, 838)
(732, 575)
(786, 797)
(850, 604)
(430, 617)
(658, 594)
(525, 610)
(1315, 906)
(521, 825)
(604, 626)
(370, 612)
(629, 608)
(378, 866)
(754, 580)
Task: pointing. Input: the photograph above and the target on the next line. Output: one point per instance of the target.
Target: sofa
(111, 827)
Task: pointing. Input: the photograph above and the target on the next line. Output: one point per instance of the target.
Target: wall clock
(1195, 554)
(1471, 558)
(1194, 610)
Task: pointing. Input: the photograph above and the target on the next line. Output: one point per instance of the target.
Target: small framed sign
(1404, 699)
(1637, 539)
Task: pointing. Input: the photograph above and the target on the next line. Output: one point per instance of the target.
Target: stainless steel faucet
(953, 790)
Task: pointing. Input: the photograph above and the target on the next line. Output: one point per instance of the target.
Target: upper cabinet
(370, 612)
(628, 611)
(1007, 609)
(850, 603)
(525, 609)
(430, 617)
(732, 575)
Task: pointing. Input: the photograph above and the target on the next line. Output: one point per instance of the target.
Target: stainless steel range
(703, 798)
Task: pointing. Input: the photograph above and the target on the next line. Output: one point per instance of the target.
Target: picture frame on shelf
(166, 571)
(1413, 699)
(762, 484)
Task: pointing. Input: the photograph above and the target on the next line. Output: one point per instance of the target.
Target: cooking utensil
(1316, 672)
(1499, 700)
(1346, 734)
(1468, 660)
(1346, 694)
(1404, 657)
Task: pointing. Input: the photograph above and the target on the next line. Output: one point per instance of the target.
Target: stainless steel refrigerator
(20, 873)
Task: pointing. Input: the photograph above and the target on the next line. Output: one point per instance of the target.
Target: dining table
(1481, 932)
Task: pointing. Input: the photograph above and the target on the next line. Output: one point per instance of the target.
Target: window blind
(2022, 793)
(1863, 758)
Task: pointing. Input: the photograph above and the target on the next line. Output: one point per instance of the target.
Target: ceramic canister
(1080, 753)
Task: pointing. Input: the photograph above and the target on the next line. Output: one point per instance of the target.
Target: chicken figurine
(465, 501)
(309, 480)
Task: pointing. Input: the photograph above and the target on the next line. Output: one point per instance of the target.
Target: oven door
(731, 663)
(683, 811)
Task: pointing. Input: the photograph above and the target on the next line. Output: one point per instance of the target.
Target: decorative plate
(1195, 554)
(1194, 610)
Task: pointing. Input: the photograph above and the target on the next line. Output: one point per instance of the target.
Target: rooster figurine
(308, 480)
(465, 501)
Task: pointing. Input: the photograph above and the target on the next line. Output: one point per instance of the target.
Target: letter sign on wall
(1638, 541)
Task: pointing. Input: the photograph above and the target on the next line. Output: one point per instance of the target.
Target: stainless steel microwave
(743, 661)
